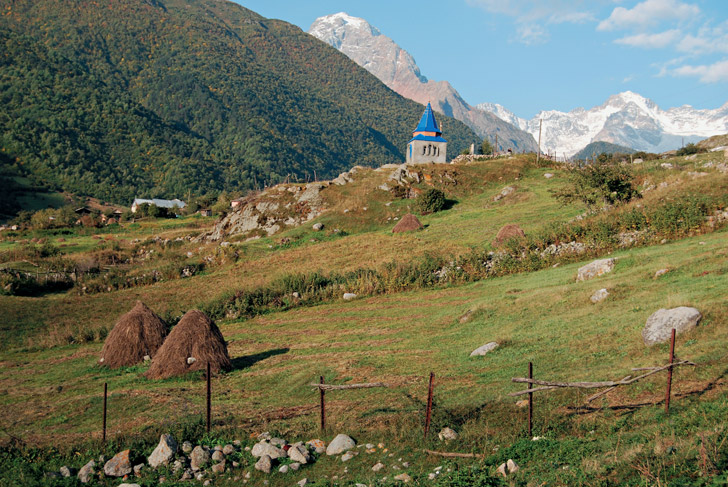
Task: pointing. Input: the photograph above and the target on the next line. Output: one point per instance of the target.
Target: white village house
(175, 203)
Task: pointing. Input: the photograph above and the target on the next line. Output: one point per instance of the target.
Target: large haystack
(194, 342)
(408, 223)
(508, 232)
(137, 334)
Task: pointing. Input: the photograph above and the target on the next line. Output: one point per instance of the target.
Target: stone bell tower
(427, 144)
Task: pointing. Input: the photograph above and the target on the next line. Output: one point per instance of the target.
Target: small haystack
(137, 334)
(508, 232)
(194, 342)
(408, 223)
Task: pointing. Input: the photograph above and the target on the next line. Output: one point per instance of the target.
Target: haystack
(137, 334)
(408, 223)
(508, 232)
(194, 342)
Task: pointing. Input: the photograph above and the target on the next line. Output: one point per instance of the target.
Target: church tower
(427, 144)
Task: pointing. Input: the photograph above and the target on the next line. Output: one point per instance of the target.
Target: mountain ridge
(396, 68)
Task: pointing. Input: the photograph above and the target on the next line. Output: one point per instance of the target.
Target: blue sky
(531, 55)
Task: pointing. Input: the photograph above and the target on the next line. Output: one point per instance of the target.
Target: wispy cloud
(648, 14)
(707, 40)
(651, 41)
(531, 34)
(711, 73)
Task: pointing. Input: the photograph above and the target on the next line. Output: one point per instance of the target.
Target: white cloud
(555, 11)
(647, 14)
(707, 40)
(713, 73)
(651, 41)
(531, 34)
(572, 18)
(628, 78)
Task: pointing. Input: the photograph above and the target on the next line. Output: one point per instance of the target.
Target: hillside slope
(159, 98)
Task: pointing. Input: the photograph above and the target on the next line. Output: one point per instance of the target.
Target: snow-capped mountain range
(627, 119)
(396, 68)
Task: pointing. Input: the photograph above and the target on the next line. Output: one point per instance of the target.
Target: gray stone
(187, 475)
(67, 471)
(347, 456)
(659, 325)
(228, 449)
(349, 296)
(218, 456)
(482, 350)
(295, 466)
(283, 469)
(599, 295)
(265, 448)
(129, 485)
(164, 452)
(278, 442)
(138, 469)
(303, 482)
(548, 175)
(299, 454)
(447, 434)
(340, 444)
(318, 226)
(191, 360)
(218, 467)
(264, 464)
(661, 272)
(403, 477)
(595, 269)
(187, 447)
(199, 457)
(119, 465)
(378, 466)
(512, 466)
(177, 466)
(504, 192)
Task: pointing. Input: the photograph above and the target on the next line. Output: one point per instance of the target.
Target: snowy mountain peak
(333, 28)
(627, 119)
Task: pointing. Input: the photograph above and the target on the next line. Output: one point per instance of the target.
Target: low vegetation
(424, 301)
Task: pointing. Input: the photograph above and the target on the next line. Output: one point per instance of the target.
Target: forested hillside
(152, 98)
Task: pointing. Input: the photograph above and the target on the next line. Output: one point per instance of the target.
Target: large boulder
(340, 444)
(119, 465)
(595, 269)
(264, 464)
(659, 325)
(164, 452)
(265, 448)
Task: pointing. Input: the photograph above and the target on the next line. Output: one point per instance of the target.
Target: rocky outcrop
(595, 269)
(660, 324)
(282, 206)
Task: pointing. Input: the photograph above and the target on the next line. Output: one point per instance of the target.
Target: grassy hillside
(399, 333)
(158, 99)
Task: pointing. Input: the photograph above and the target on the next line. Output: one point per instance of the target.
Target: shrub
(679, 217)
(598, 184)
(690, 149)
(431, 201)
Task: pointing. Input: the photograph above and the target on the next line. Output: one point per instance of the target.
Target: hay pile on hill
(408, 223)
(508, 232)
(138, 333)
(194, 342)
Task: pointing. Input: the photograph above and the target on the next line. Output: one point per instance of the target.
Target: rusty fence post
(428, 413)
(669, 372)
(530, 401)
(209, 399)
(322, 393)
(103, 434)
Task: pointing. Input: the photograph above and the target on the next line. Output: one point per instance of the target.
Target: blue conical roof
(428, 122)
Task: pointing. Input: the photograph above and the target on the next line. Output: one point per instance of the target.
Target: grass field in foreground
(53, 395)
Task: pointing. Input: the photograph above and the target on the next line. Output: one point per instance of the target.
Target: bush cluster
(431, 201)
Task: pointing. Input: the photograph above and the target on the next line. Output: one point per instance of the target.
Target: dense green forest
(157, 98)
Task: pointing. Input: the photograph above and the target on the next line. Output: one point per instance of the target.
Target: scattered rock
(138, 469)
(119, 465)
(299, 454)
(548, 175)
(129, 485)
(466, 316)
(340, 444)
(264, 464)
(283, 469)
(484, 349)
(504, 192)
(599, 295)
(512, 466)
(659, 325)
(349, 296)
(295, 466)
(164, 452)
(447, 434)
(666, 165)
(67, 471)
(265, 448)
(228, 449)
(218, 456)
(199, 457)
(661, 272)
(187, 447)
(347, 456)
(403, 477)
(303, 482)
(595, 269)
(523, 403)
(191, 360)
(378, 467)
